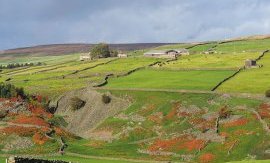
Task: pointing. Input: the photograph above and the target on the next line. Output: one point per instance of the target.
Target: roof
(158, 52)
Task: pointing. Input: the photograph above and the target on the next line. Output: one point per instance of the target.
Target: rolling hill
(142, 108)
(61, 49)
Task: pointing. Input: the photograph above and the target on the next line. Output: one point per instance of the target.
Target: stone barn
(85, 57)
(122, 55)
(166, 53)
(249, 63)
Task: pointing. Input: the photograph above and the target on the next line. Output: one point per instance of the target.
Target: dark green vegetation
(100, 51)
(267, 93)
(9, 90)
(106, 99)
(76, 103)
(16, 65)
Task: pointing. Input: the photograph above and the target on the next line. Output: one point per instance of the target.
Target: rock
(85, 120)
(15, 142)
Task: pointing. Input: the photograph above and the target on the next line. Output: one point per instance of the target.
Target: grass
(255, 80)
(148, 103)
(211, 61)
(74, 159)
(2, 159)
(173, 46)
(43, 59)
(166, 79)
(54, 79)
(202, 48)
(240, 46)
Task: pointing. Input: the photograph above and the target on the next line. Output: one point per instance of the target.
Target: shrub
(267, 93)
(3, 114)
(58, 121)
(9, 90)
(224, 113)
(106, 99)
(76, 103)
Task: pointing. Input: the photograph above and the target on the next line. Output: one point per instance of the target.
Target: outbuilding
(173, 53)
(249, 63)
(85, 56)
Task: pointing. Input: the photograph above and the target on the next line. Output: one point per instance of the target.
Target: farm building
(166, 53)
(122, 55)
(249, 63)
(210, 51)
(86, 56)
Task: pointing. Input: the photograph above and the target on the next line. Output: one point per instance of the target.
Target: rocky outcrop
(81, 122)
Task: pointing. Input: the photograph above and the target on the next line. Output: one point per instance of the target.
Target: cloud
(31, 22)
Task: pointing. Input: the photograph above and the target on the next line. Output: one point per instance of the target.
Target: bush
(58, 121)
(224, 113)
(3, 113)
(267, 93)
(106, 99)
(9, 90)
(76, 103)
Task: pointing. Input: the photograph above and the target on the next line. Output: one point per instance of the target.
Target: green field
(211, 61)
(57, 78)
(42, 59)
(2, 159)
(255, 80)
(167, 79)
(240, 46)
(74, 159)
(149, 104)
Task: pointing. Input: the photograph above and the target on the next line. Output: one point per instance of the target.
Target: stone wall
(31, 160)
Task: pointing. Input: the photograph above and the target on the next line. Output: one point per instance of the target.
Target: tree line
(16, 65)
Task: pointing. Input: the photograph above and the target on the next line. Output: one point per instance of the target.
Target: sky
(34, 22)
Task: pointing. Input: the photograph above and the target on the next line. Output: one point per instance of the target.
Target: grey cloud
(31, 22)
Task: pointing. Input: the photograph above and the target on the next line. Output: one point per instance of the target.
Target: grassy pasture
(2, 159)
(44, 59)
(240, 46)
(211, 61)
(255, 80)
(167, 79)
(74, 159)
(173, 46)
(202, 48)
(120, 66)
(56, 78)
(148, 104)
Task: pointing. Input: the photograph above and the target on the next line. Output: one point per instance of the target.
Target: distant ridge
(61, 49)
(252, 37)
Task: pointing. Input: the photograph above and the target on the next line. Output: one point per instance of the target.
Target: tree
(76, 103)
(114, 53)
(100, 51)
(106, 99)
